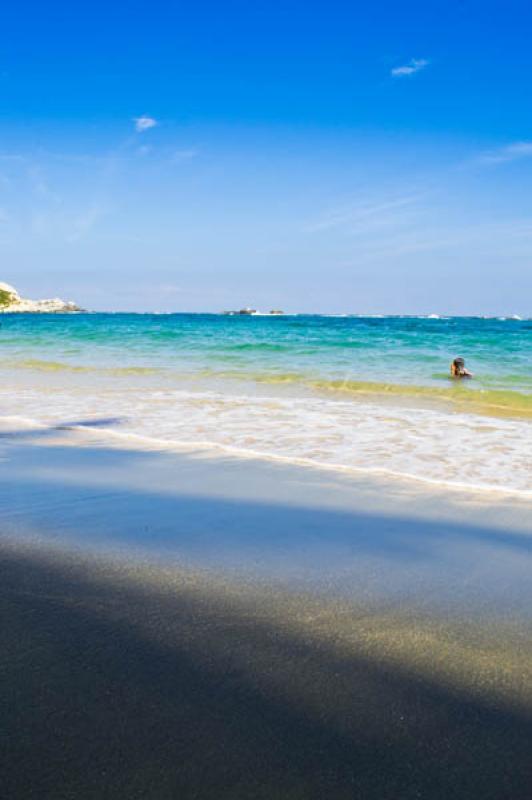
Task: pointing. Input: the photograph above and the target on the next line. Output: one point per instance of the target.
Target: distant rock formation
(243, 312)
(251, 312)
(11, 301)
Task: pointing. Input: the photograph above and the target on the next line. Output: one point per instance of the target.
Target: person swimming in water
(458, 369)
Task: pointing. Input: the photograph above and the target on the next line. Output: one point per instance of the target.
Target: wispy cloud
(509, 237)
(413, 66)
(384, 229)
(144, 123)
(509, 152)
(62, 224)
(364, 215)
(83, 223)
(184, 155)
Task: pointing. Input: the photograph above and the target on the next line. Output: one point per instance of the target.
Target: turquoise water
(328, 353)
(356, 393)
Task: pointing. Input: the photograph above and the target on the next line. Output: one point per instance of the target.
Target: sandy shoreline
(196, 626)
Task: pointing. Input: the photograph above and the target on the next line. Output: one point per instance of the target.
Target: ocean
(361, 394)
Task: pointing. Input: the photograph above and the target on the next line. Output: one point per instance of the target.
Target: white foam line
(239, 452)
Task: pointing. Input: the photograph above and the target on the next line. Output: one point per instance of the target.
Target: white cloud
(144, 123)
(509, 152)
(413, 66)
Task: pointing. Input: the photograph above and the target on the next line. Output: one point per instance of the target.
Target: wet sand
(188, 626)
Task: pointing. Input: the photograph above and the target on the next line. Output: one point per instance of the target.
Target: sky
(337, 157)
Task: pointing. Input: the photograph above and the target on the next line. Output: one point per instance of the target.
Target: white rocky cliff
(11, 301)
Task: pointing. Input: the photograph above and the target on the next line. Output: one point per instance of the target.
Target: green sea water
(356, 393)
(407, 357)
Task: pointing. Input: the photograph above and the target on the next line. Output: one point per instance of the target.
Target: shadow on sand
(122, 690)
(133, 684)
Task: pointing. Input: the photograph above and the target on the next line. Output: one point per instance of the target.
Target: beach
(191, 624)
(266, 401)
(265, 558)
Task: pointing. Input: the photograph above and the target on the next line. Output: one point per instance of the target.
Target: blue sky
(337, 157)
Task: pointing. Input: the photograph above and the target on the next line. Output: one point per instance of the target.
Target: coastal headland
(12, 303)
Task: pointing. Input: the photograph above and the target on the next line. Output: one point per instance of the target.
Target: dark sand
(181, 658)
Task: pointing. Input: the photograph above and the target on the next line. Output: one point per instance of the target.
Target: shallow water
(352, 392)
